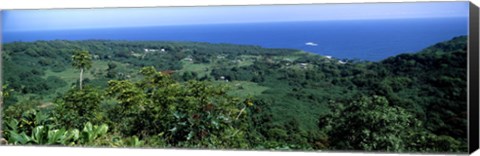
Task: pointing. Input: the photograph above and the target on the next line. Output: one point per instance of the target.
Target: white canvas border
(49, 4)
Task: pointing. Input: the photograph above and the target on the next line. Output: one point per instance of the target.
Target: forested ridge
(224, 96)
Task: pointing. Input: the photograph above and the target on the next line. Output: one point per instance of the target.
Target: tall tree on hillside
(82, 60)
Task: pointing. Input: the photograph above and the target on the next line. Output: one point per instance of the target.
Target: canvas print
(376, 77)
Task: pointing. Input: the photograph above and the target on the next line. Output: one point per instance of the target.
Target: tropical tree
(81, 60)
(77, 107)
(191, 114)
(369, 123)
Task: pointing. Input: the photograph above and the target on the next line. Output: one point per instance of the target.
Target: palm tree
(81, 60)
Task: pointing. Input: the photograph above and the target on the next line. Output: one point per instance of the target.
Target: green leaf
(21, 138)
(56, 136)
(190, 135)
(102, 129)
(12, 125)
(88, 127)
(37, 134)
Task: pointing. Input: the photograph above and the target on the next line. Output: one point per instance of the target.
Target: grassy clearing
(71, 75)
(247, 60)
(200, 69)
(249, 57)
(289, 57)
(244, 88)
(245, 63)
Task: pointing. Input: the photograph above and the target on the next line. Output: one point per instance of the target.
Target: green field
(244, 88)
(201, 69)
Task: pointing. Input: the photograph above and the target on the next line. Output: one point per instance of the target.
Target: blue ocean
(371, 40)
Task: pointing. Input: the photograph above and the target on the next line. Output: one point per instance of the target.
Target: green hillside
(203, 95)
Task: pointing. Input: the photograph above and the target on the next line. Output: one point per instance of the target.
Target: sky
(60, 19)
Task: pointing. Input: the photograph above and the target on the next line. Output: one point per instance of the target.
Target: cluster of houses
(188, 58)
(153, 50)
(341, 62)
(142, 56)
(221, 56)
(304, 65)
(223, 78)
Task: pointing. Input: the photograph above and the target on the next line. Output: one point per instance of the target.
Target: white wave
(311, 44)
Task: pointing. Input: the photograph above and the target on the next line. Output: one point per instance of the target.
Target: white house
(303, 65)
(150, 50)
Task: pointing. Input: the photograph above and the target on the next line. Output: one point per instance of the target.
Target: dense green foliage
(201, 95)
(372, 124)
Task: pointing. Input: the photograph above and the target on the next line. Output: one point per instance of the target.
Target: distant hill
(440, 76)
